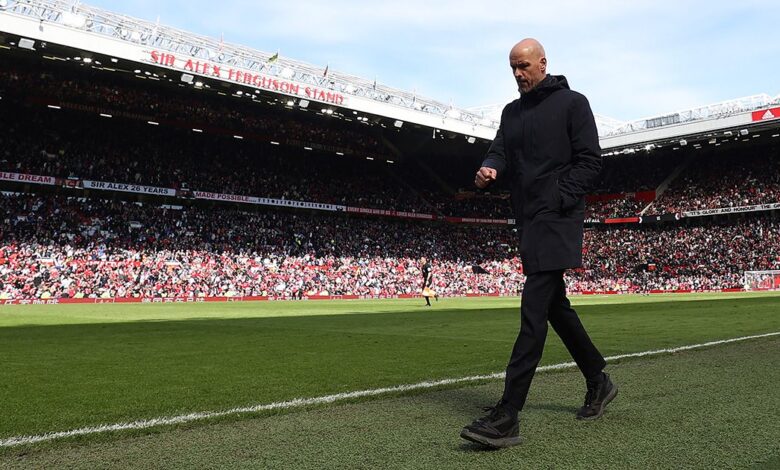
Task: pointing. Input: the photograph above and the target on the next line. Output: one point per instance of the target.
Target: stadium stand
(69, 149)
(703, 254)
(53, 246)
(75, 123)
(73, 247)
(739, 178)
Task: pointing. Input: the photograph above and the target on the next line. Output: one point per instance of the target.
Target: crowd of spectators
(54, 247)
(494, 206)
(621, 207)
(701, 255)
(58, 247)
(730, 179)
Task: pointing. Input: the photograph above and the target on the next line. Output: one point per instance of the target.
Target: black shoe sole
(612, 394)
(487, 441)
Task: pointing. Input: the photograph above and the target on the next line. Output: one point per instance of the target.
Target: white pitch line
(300, 402)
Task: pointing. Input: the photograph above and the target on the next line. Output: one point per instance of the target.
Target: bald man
(548, 148)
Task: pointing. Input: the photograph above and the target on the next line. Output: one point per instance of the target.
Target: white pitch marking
(300, 402)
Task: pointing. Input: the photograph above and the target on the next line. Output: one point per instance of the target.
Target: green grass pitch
(70, 366)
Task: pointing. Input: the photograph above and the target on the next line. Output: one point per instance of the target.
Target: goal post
(762, 280)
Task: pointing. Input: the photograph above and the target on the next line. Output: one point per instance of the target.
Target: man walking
(547, 145)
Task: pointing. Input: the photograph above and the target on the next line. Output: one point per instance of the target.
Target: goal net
(762, 280)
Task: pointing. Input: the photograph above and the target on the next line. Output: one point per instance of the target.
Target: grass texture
(70, 366)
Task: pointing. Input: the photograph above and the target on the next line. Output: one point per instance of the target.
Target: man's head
(529, 64)
(423, 260)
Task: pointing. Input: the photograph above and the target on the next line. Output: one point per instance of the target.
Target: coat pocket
(554, 193)
(542, 196)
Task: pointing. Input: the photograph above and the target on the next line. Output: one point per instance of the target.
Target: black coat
(548, 146)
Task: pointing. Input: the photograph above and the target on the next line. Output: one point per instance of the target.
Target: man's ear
(543, 63)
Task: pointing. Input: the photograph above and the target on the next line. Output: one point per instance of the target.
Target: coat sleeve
(586, 154)
(496, 155)
(496, 159)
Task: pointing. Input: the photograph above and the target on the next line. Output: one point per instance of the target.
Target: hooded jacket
(547, 144)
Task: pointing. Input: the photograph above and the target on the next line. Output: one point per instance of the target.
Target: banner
(766, 114)
(733, 210)
(473, 220)
(389, 213)
(181, 300)
(264, 201)
(649, 219)
(419, 216)
(128, 188)
(25, 178)
(205, 195)
(247, 77)
(622, 220)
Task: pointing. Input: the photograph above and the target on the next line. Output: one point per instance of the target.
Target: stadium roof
(87, 28)
(705, 121)
(100, 31)
(702, 122)
(712, 111)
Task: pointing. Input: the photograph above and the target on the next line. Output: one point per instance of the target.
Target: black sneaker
(497, 429)
(597, 398)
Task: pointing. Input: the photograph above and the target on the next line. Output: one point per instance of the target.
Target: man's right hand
(485, 176)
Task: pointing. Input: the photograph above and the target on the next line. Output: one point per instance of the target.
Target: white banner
(24, 178)
(733, 210)
(391, 213)
(128, 188)
(263, 201)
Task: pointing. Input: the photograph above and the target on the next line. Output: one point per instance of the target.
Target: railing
(713, 111)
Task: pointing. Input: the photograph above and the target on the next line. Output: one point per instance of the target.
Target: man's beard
(520, 87)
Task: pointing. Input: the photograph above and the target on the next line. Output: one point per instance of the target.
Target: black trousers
(543, 299)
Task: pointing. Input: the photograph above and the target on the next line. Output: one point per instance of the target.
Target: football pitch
(79, 367)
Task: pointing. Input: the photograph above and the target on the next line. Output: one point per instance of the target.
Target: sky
(632, 59)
